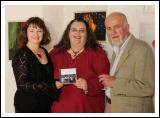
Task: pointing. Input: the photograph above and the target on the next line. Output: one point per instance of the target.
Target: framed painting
(95, 21)
(14, 34)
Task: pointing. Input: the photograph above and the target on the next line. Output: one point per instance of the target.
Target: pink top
(89, 65)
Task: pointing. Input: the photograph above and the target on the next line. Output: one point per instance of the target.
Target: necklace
(76, 52)
(39, 55)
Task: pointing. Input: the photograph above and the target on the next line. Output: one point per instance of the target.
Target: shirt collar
(118, 49)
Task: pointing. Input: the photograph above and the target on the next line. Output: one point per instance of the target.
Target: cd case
(68, 76)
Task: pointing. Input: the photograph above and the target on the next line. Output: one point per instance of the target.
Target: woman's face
(34, 34)
(78, 34)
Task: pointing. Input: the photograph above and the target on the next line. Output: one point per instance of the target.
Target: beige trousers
(108, 108)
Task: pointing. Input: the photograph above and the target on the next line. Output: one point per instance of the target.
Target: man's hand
(106, 80)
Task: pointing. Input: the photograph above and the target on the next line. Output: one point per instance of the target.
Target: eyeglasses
(78, 31)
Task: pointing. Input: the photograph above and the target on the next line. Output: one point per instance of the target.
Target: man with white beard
(130, 85)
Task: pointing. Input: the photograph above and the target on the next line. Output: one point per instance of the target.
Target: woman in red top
(78, 49)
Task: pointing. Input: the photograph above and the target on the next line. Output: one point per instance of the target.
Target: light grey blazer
(133, 88)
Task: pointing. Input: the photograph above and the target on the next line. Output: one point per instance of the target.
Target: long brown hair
(91, 42)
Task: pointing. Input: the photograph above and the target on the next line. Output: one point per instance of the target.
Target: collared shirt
(118, 51)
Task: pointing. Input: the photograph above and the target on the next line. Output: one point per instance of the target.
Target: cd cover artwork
(68, 76)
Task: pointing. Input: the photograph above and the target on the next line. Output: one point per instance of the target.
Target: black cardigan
(35, 82)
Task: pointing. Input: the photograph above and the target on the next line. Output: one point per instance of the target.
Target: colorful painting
(95, 21)
(15, 40)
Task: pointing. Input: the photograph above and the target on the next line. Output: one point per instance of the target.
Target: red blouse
(89, 65)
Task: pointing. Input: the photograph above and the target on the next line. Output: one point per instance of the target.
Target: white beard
(117, 43)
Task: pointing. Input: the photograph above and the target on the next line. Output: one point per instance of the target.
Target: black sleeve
(23, 76)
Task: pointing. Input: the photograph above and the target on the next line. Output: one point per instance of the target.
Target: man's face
(116, 29)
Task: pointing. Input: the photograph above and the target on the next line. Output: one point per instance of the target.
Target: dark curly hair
(91, 42)
(40, 23)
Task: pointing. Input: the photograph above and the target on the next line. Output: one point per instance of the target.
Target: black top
(36, 88)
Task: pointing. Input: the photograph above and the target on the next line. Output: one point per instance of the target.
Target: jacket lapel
(125, 54)
(122, 59)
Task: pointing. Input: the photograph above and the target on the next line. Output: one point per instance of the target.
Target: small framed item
(68, 76)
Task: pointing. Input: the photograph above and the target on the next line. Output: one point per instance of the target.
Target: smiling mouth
(77, 37)
(114, 37)
(35, 38)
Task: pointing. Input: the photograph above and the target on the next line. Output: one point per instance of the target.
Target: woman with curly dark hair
(79, 49)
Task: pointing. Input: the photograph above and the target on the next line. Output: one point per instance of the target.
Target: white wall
(54, 19)
(57, 18)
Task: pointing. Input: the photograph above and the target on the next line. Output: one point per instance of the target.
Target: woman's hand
(82, 84)
(59, 85)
